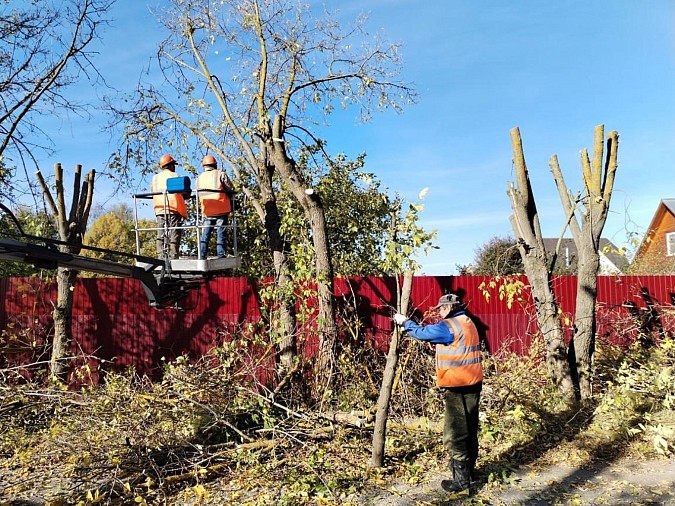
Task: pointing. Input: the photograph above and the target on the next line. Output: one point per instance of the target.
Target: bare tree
(71, 226)
(526, 228)
(586, 223)
(251, 78)
(585, 215)
(44, 49)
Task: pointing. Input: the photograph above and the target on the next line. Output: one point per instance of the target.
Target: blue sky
(554, 69)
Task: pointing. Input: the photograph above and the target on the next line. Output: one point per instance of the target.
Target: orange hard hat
(209, 160)
(166, 160)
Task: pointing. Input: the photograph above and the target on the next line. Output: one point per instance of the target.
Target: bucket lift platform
(166, 282)
(208, 267)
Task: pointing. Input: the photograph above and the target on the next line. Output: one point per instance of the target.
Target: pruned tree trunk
(63, 321)
(71, 227)
(527, 230)
(586, 224)
(582, 344)
(384, 399)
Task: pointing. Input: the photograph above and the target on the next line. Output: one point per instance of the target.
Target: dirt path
(622, 482)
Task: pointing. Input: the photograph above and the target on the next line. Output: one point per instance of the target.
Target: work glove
(400, 319)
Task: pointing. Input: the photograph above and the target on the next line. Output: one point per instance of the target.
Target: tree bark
(287, 339)
(586, 224)
(71, 227)
(324, 277)
(525, 224)
(384, 399)
(582, 345)
(63, 321)
(313, 208)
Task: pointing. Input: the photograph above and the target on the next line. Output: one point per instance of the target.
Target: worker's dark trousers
(169, 234)
(460, 427)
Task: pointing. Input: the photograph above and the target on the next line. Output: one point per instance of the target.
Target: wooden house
(656, 253)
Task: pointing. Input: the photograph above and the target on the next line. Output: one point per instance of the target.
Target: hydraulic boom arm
(162, 289)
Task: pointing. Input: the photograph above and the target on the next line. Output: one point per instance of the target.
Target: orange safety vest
(215, 202)
(170, 202)
(458, 364)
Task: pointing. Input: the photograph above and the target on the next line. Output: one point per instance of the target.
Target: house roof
(569, 248)
(664, 205)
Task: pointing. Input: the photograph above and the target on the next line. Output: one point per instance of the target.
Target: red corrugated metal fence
(112, 319)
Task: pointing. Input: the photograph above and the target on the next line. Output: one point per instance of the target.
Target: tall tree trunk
(526, 228)
(548, 320)
(63, 322)
(324, 277)
(582, 345)
(71, 226)
(287, 339)
(313, 208)
(384, 399)
(586, 223)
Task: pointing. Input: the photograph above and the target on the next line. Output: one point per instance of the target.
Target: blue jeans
(209, 223)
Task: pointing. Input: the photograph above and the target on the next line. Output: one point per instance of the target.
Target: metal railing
(196, 227)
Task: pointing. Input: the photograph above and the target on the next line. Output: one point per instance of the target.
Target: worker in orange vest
(459, 373)
(170, 209)
(214, 189)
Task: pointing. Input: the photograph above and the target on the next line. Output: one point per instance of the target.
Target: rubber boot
(471, 461)
(460, 477)
(472, 468)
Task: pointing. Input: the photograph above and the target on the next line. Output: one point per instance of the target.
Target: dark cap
(449, 299)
